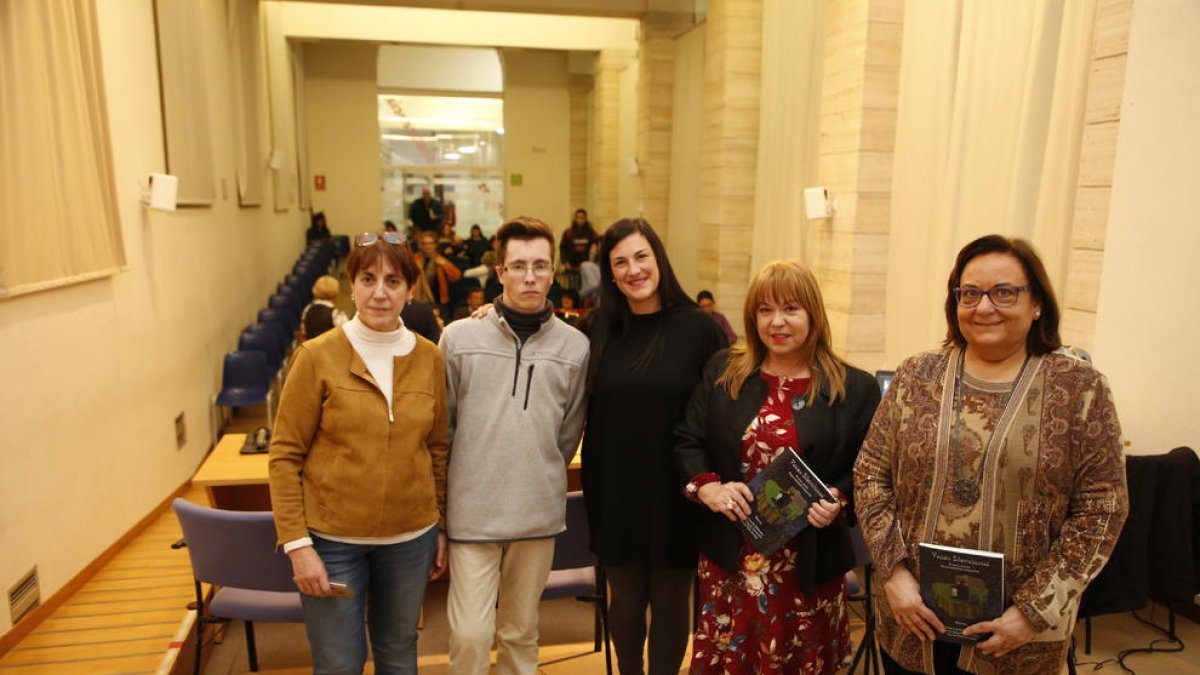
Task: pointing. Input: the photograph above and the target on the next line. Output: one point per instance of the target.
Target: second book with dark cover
(782, 494)
(962, 586)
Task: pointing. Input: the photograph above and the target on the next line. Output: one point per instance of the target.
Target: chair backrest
(234, 548)
(264, 341)
(571, 545)
(287, 319)
(246, 369)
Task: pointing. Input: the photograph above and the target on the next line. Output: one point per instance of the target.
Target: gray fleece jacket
(516, 415)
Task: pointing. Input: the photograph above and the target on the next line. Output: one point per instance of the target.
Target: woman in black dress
(649, 345)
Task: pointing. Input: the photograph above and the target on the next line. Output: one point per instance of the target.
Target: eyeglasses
(1003, 295)
(520, 269)
(368, 238)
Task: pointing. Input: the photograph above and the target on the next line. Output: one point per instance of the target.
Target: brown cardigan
(341, 462)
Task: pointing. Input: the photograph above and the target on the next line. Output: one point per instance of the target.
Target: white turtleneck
(379, 349)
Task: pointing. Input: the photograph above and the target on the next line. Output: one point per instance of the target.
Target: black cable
(1119, 659)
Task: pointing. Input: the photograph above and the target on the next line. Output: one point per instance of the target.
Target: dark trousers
(945, 661)
(667, 592)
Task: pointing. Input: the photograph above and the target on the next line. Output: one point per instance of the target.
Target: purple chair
(575, 572)
(235, 552)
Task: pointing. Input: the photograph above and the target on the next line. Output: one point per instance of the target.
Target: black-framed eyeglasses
(1001, 295)
(540, 269)
(368, 238)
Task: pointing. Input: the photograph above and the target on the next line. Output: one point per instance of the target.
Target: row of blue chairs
(263, 346)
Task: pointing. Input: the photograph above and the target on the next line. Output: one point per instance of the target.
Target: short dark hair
(524, 228)
(705, 295)
(397, 255)
(1043, 336)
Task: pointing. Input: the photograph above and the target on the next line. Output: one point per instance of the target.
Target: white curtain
(792, 44)
(245, 47)
(58, 213)
(988, 130)
(182, 70)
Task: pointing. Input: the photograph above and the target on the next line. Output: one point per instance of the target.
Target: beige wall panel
(1091, 218)
(881, 87)
(1112, 28)
(841, 131)
(874, 172)
(883, 44)
(889, 11)
(1097, 153)
(1084, 288)
(864, 332)
(865, 212)
(1105, 87)
(1078, 327)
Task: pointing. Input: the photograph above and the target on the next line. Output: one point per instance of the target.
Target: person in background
(438, 271)
(318, 230)
(783, 389)
(578, 241)
(706, 302)
(366, 395)
(649, 345)
(426, 213)
(474, 302)
(569, 309)
(516, 384)
(421, 316)
(321, 315)
(476, 245)
(389, 226)
(450, 244)
(997, 443)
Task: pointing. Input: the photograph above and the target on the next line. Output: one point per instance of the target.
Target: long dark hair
(1043, 336)
(608, 321)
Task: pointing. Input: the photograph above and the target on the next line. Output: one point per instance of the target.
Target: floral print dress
(757, 620)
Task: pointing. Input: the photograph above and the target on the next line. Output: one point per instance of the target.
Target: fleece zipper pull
(528, 384)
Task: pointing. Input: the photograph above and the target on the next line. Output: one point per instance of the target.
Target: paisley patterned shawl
(1053, 494)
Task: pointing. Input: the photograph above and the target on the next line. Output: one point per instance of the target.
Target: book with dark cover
(962, 586)
(783, 492)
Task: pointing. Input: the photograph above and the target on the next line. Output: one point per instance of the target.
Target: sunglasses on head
(368, 238)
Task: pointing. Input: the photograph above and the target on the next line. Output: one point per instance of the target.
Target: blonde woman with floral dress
(784, 388)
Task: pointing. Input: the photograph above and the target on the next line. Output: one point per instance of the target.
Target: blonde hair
(786, 281)
(325, 288)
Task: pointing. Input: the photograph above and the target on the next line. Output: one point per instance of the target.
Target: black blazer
(709, 440)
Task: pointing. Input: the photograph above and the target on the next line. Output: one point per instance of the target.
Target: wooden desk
(238, 482)
(235, 481)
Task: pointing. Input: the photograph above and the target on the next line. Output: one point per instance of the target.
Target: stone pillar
(858, 128)
(732, 70)
(655, 89)
(604, 156)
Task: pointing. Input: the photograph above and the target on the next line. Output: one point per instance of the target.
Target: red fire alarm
(319, 182)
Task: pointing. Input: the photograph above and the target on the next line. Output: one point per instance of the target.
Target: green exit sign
(516, 179)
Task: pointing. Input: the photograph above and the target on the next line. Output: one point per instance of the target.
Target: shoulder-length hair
(1043, 336)
(397, 255)
(786, 281)
(608, 321)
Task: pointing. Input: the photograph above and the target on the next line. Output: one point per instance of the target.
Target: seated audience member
(474, 302)
(449, 243)
(321, 315)
(389, 226)
(437, 271)
(476, 245)
(319, 230)
(569, 309)
(708, 304)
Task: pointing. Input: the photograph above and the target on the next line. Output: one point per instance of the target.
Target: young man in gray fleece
(515, 389)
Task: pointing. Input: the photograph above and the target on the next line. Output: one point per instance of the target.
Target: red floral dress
(757, 620)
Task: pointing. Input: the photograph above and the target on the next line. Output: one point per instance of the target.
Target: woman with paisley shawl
(996, 442)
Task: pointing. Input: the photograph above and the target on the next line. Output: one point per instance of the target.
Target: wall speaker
(162, 193)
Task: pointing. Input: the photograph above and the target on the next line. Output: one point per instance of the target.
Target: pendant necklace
(966, 489)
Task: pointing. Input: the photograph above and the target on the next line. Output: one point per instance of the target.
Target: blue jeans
(389, 587)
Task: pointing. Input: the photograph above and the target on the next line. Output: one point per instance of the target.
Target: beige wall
(96, 373)
(1147, 324)
(537, 131)
(343, 134)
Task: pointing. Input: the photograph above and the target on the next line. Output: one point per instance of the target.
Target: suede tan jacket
(341, 462)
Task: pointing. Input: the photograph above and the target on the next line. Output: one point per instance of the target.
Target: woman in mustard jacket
(358, 470)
